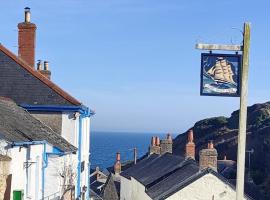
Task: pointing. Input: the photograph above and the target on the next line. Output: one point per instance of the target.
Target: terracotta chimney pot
(157, 141)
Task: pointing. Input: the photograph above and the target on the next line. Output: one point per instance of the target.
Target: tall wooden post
(243, 116)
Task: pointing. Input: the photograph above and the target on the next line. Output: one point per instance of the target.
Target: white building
(30, 143)
(32, 89)
(165, 176)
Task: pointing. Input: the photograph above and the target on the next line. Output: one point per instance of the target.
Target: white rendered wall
(70, 128)
(70, 131)
(207, 187)
(132, 190)
(85, 151)
(31, 183)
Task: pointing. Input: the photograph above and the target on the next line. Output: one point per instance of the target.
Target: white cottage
(29, 143)
(164, 176)
(31, 88)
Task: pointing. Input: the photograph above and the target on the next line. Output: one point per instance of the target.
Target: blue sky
(134, 61)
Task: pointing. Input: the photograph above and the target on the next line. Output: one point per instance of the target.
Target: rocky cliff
(223, 131)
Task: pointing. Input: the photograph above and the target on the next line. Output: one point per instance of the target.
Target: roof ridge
(39, 76)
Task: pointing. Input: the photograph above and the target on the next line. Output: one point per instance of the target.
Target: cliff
(224, 131)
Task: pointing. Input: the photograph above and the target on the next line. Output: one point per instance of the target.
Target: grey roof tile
(17, 125)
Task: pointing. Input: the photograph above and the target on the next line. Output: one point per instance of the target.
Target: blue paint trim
(45, 156)
(44, 166)
(89, 171)
(14, 144)
(78, 194)
(52, 108)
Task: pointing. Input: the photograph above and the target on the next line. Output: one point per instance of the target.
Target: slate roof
(17, 125)
(25, 85)
(163, 175)
(153, 167)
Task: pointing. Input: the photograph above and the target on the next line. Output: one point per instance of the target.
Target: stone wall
(5, 178)
(51, 119)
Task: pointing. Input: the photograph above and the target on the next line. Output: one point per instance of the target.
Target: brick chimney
(45, 71)
(190, 146)
(117, 165)
(155, 146)
(208, 157)
(166, 144)
(27, 39)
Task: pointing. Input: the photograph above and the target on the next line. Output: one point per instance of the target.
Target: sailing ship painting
(220, 74)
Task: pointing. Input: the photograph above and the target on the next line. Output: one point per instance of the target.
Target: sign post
(243, 116)
(222, 79)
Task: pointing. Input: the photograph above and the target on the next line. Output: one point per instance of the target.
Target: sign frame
(239, 57)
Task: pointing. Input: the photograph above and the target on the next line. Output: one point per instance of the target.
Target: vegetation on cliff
(223, 131)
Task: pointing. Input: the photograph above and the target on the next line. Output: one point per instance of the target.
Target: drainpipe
(88, 178)
(87, 113)
(79, 159)
(44, 166)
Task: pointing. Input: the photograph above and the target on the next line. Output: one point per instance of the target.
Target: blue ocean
(104, 146)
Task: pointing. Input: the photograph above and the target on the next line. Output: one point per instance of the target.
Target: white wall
(70, 128)
(70, 131)
(132, 190)
(27, 177)
(205, 188)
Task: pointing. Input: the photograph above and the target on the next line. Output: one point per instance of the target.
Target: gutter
(79, 158)
(52, 108)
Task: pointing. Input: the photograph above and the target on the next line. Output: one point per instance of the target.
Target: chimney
(155, 146)
(117, 165)
(190, 146)
(27, 39)
(166, 145)
(208, 157)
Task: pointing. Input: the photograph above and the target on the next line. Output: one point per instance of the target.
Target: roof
(173, 182)
(164, 175)
(29, 85)
(17, 125)
(146, 170)
(111, 189)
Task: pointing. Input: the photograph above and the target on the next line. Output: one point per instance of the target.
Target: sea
(105, 145)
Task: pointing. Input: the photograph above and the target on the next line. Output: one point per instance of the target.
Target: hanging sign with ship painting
(220, 74)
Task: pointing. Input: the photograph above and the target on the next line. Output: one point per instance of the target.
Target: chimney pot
(169, 136)
(157, 141)
(27, 16)
(118, 156)
(39, 65)
(46, 65)
(210, 145)
(153, 141)
(190, 135)
(154, 147)
(190, 146)
(117, 165)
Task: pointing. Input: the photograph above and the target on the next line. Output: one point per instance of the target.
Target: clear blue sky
(134, 61)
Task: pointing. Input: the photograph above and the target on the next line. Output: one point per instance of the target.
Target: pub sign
(220, 74)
